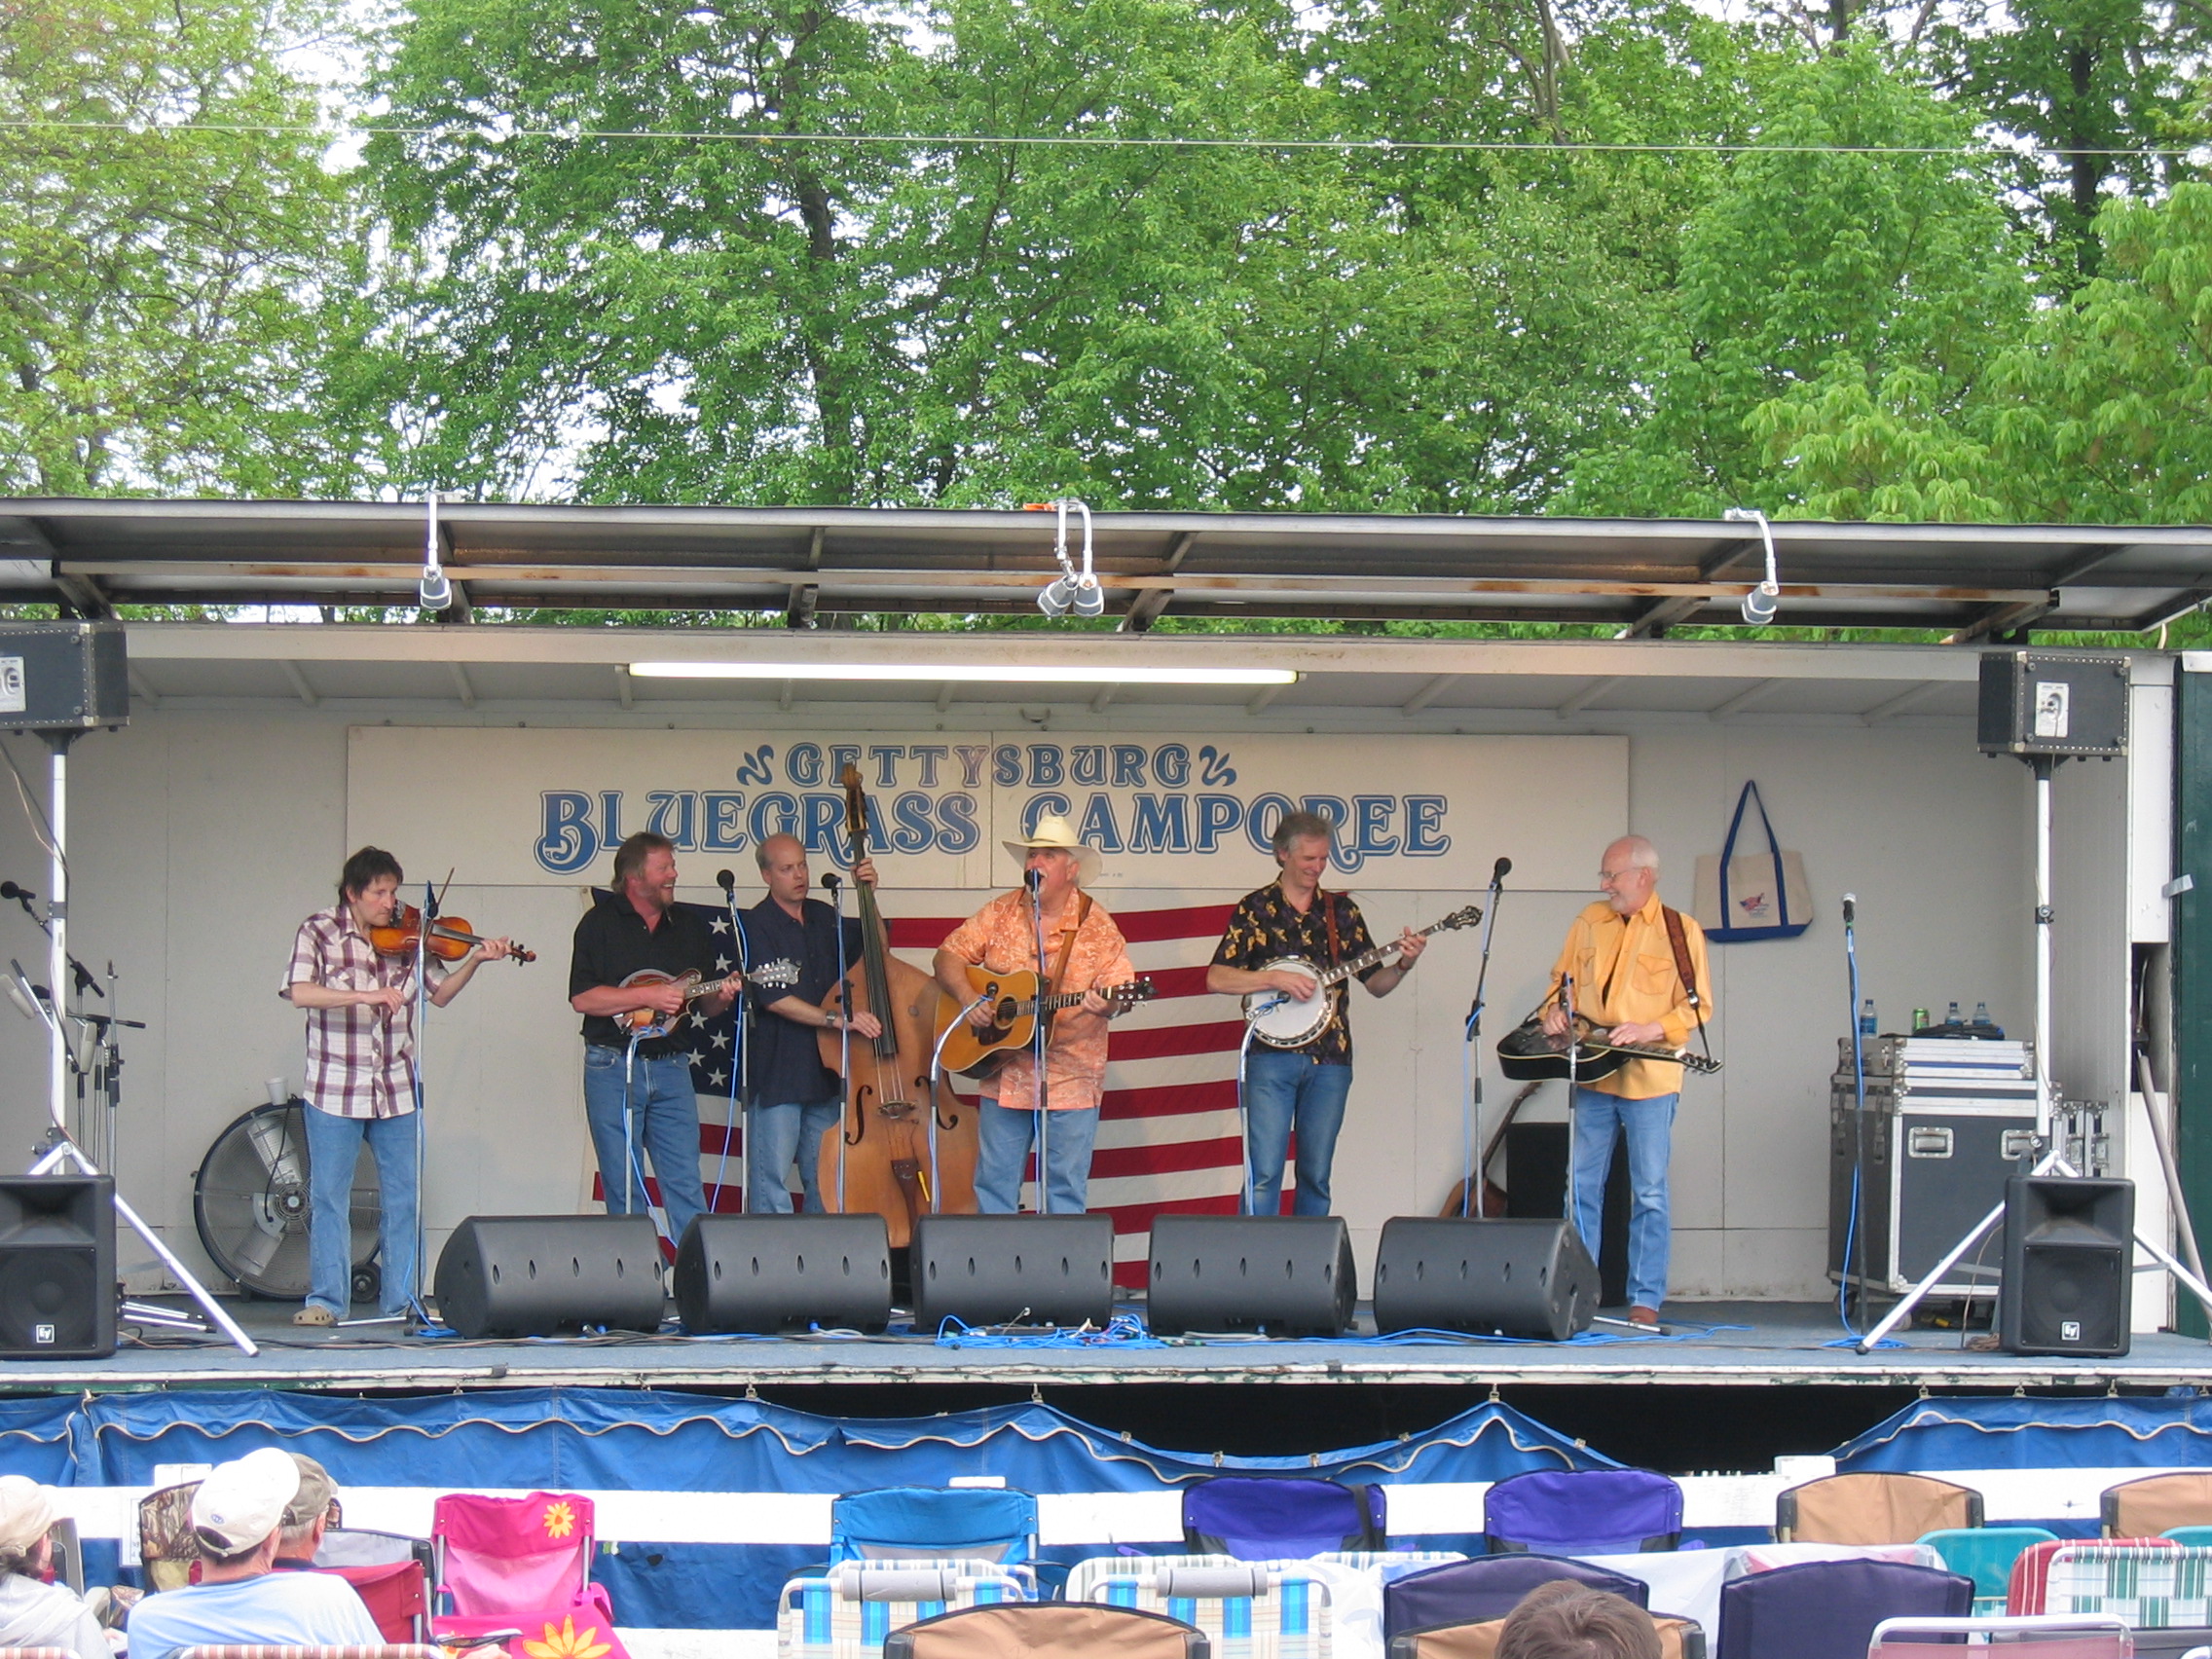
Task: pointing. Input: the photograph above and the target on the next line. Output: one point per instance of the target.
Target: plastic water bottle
(1952, 1017)
(1868, 1025)
(1982, 1013)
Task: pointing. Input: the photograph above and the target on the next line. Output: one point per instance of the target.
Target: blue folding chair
(1827, 1609)
(989, 1524)
(1985, 1555)
(1271, 1518)
(1489, 1587)
(1583, 1512)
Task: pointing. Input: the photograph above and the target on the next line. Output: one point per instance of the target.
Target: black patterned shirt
(1265, 927)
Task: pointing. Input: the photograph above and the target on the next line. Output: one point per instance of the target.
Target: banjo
(1283, 1021)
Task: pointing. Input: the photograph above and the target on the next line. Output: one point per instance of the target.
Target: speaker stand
(59, 1150)
(2051, 1163)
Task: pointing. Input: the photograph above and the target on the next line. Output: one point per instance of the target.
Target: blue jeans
(1649, 1124)
(664, 1124)
(334, 1146)
(1002, 1152)
(1284, 1089)
(774, 1136)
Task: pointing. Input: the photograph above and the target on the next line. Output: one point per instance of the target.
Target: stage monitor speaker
(538, 1275)
(773, 1273)
(1013, 1270)
(1290, 1276)
(2052, 703)
(1519, 1279)
(58, 1295)
(1535, 1172)
(2069, 1248)
(62, 676)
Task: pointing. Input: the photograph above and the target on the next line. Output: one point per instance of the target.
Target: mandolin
(646, 1023)
(1527, 1054)
(1014, 1008)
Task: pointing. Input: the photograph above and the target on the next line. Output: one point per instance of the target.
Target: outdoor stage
(1725, 1345)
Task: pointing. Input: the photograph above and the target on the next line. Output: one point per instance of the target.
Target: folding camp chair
(396, 1593)
(239, 1650)
(1829, 1609)
(1489, 1587)
(2155, 1503)
(989, 1524)
(1049, 1630)
(1872, 1509)
(2028, 1590)
(848, 1612)
(2084, 1637)
(1273, 1517)
(2150, 1586)
(507, 1562)
(1679, 1638)
(1247, 1611)
(165, 1546)
(1985, 1555)
(1583, 1512)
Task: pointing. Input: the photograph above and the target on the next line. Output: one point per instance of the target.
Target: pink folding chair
(522, 1562)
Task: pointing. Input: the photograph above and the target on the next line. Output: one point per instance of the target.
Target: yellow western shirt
(1624, 972)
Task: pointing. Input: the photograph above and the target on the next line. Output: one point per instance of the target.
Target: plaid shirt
(357, 1058)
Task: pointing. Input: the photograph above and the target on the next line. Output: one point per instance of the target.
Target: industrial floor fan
(249, 1200)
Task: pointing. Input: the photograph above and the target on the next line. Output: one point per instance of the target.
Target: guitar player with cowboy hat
(1082, 950)
(1628, 969)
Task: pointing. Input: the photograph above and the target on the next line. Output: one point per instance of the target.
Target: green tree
(162, 254)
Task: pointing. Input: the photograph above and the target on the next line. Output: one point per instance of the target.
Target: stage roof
(1636, 576)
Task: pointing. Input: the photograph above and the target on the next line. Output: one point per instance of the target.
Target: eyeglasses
(1606, 877)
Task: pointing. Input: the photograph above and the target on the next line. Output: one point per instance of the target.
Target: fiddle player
(793, 1098)
(1304, 1087)
(1632, 961)
(1083, 951)
(649, 1108)
(360, 1083)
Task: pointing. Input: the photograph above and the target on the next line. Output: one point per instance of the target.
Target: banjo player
(1304, 1086)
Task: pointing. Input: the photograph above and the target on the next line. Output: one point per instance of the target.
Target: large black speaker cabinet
(2069, 1248)
(62, 676)
(536, 1275)
(1013, 1270)
(1521, 1279)
(763, 1273)
(2052, 703)
(57, 1292)
(1535, 1172)
(1290, 1276)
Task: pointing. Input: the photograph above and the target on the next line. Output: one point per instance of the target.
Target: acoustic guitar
(1527, 1054)
(647, 1023)
(1014, 1005)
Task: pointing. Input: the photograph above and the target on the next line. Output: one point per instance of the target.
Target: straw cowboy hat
(1054, 831)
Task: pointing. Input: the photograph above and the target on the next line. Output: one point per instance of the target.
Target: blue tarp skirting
(2173, 1431)
(643, 1441)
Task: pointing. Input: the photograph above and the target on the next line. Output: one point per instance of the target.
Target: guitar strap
(1067, 945)
(1681, 947)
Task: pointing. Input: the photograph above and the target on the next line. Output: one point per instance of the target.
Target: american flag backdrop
(1168, 1141)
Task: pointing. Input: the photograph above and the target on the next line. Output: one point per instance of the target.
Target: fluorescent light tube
(996, 674)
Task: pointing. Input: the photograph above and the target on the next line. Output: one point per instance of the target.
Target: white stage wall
(200, 839)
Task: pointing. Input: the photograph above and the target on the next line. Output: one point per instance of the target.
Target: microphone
(726, 880)
(1032, 879)
(9, 890)
(832, 881)
(1850, 908)
(1500, 871)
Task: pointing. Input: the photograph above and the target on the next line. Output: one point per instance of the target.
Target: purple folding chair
(1827, 1609)
(1583, 1512)
(1273, 1517)
(1489, 1587)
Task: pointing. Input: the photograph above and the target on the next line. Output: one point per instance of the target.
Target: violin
(450, 938)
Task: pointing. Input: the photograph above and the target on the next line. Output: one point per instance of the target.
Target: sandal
(311, 1314)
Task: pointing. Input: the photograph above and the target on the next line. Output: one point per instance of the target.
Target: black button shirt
(786, 1056)
(612, 942)
(1266, 927)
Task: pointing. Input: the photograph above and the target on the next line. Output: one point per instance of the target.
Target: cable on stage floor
(1122, 1331)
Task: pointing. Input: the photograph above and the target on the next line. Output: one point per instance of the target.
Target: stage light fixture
(1001, 673)
(435, 591)
(1070, 590)
(1760, 603)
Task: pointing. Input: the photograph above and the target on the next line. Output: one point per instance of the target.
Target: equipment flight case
(1949, 1121)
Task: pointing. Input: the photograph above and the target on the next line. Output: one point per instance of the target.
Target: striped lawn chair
(848, 1610)
(249, 1651)
(2151, 1588)
(1385, 1564)
(1247, 1609)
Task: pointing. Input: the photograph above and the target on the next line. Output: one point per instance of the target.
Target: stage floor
(1730, 1345)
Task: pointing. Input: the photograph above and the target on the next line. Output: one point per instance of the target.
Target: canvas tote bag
(1752, 893)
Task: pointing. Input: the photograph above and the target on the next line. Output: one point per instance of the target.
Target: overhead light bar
(997, 674)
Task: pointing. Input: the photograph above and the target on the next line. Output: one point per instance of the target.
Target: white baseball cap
(242, 1501)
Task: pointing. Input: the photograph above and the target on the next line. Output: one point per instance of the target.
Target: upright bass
(883, 1138)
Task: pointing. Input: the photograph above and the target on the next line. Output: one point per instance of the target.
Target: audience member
(1566, 1620)
(34, 1613)
(236, 1521)
(306, 1517)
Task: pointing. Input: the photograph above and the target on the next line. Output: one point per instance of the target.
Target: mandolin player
(1303, 1087)
(646, 1106)
(1630, 964)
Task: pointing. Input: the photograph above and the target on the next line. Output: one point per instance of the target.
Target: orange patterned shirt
(1003, 937)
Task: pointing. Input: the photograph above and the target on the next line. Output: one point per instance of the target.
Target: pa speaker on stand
(776, 1274)
(1517, 1279)
(57, 1292)
(2069, 1254)
(1290, 1276)
(538, 1275)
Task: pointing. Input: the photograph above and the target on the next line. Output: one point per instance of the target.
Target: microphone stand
(415, 1304)
(1471, 1065)
(1573, 1087)
(1037, 1043)
(741, 1063)
(937, 1077)
(1243, 1118)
